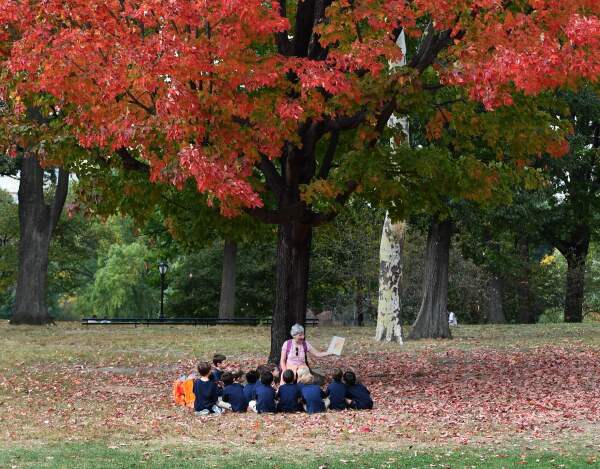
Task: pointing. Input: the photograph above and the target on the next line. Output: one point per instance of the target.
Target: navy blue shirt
(234, 394)
(217, 374)
(360, 396)
(337, 395)
(312, 395)
(249, 391)
(265, 398)
(206, 393)
(288, 395)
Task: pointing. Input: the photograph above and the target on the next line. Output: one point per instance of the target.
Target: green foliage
(121, 287)
(345, 264)
(195, 281)
(9, 235)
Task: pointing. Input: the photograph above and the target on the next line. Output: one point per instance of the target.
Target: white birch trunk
(389, 307)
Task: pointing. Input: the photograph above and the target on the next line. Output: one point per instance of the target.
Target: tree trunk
(525, 311)
(37, 221)
(495, 312)
(293, 256)
(576, 260)
(227, 302)
(432, 320)
(389, 307)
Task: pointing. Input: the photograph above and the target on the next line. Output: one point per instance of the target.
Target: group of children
(216, 390)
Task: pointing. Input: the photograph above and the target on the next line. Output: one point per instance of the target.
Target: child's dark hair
(288, 376)
(266, 378)
(218, 358)
(252, 377)
(227, 378)
(349, 378)
(204, 368)
(337, 374)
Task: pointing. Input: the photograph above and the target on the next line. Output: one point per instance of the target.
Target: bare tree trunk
(293, 256)
(495, 312)
(227, 301)
(576, 282)
(37, 221)
(432, 320)
(389, 307)
(526, 312)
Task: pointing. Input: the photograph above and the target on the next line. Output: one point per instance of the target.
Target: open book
(336, 345)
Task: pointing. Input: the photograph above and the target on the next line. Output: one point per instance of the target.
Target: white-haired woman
(294, 351)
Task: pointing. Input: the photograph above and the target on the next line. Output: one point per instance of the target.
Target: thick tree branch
(284, 46)
(292, 213)
(130, 163)
(347, 122)
(329, 154)
(60, 196)
(315, 51)
(274, 179)
(304, 27)
(432, 44)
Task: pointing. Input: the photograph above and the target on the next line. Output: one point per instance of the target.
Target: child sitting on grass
(233, 393)
(206, 392)
(336, 391)
(264, 395)
(288, 394)
(357, 396)
(251, 379)
(217, 370)
(312, 394)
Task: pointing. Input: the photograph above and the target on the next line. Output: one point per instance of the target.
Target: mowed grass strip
(95, 455)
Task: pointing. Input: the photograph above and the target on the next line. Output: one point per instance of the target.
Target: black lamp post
(163, 268)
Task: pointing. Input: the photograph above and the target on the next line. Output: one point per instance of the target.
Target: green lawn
(494, 396)
(99, 456)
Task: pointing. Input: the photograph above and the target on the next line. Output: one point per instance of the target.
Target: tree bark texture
(525, 311)
(293, 256)
(37, 221)
(495, 312)
(576, 260)
(432, 320)
(389, 306)
(227, 301)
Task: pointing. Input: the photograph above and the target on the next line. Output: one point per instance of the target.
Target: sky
(9, 184)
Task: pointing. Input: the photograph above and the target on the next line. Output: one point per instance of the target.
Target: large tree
(250, 98)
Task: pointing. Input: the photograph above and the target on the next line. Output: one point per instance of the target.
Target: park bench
(250, 321)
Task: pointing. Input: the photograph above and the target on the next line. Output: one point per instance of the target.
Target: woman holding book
(295, 350)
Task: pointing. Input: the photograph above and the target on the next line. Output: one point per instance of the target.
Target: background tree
(572, 212)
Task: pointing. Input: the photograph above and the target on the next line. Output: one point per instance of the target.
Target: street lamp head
(163, 267)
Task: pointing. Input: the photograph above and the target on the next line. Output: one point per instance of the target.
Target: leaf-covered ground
(513, 388)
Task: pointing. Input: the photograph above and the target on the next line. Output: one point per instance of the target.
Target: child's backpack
(183, 392)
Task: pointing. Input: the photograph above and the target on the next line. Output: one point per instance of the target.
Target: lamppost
(163, 268)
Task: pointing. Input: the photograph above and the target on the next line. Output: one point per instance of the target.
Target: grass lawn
(494, 396)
